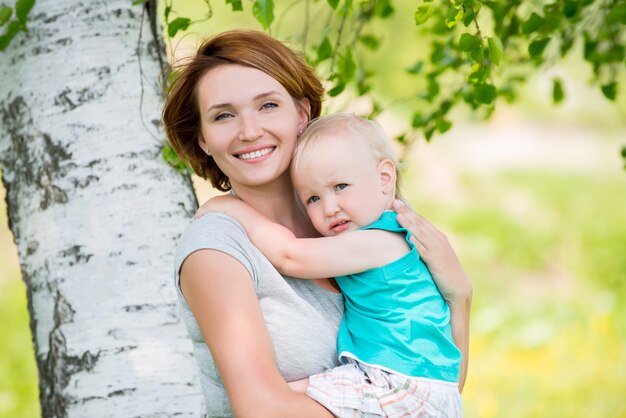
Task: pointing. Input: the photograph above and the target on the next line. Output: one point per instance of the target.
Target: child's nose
(330, 207)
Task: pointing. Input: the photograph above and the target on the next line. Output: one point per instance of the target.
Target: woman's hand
(217, 204)
(436, 251)
(448, 274)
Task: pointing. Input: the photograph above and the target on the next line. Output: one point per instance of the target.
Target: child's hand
(436, 251)
(218, 204)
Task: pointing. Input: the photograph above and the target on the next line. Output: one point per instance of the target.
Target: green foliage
(18, 371)
(170, 156)
(466, 63)
(11, 27)
(468, 52)
(180, 23)
(263, 11)
(236, 5)
(22, 8)
(557, 91)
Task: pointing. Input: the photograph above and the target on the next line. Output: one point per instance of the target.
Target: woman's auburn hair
(181, 114)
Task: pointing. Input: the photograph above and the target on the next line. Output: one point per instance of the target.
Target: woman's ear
(304, 113)
(203, 145)
(387, 172)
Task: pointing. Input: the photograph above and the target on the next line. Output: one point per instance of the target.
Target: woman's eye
(341, 186)
(313, 199)
(269, 105)
(222, 116)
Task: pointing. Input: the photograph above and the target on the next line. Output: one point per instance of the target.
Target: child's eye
(341, 186)
(312, 199)
(269, 105)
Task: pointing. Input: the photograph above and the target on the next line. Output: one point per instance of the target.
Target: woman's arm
(312, 258)
(447, 271)
(221, 295)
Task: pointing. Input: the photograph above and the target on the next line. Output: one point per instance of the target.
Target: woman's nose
(249, 128)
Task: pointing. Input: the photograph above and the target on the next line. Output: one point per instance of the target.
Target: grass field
(546, 251)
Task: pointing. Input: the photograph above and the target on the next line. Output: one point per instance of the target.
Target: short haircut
(181, 115)
(366, 132)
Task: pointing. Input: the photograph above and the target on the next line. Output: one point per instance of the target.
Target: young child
(395, 343)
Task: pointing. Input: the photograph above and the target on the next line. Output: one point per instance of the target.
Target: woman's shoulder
(216, 231)
(211, 230)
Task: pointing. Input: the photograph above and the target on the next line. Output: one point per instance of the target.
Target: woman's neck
(277, 201)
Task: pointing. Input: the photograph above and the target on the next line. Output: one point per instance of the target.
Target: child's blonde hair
(366, 132)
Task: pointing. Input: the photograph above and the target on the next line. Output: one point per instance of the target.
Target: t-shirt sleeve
(215, 231)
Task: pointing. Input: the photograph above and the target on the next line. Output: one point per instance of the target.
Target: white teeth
(255, 154)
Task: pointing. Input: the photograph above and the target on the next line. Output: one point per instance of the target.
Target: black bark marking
(57, 367)
(75, 255)
(34, 159)
(121, 392)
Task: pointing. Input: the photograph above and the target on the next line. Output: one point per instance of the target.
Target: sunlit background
(534, 201)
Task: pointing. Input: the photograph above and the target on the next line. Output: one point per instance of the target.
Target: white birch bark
(95, 212)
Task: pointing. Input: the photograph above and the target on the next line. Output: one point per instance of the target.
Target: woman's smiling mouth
(255, 154)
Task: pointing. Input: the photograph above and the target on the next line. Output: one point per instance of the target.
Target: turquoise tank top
(396, 319)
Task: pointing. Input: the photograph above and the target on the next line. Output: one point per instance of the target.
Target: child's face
(342, 185)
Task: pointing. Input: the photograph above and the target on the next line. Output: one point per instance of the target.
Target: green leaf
(534, 23)
(535, 49)
(180, 23)
(454, 17)
(566, 45)
(479, 75)
(4, 42)
(383, 9)
(469, 42)
(170, 156)
(324, 50)
(167, 11)
(570, 8)
(428, 133)
(485, 93)
(419, 120)
(335, 91)
(333, 3)
(235, 4)
(10, 31)
(468, 19)
(22, 8)
(557, 91)
(263, 11)
(5, 14)
(138, 2)
(443, 125)
(347, 67)
(433, 89)
(495, 49)
(423, 13)
(370, 41)
(477, 55)
(617, 14)
(609, 90)
(416, 68)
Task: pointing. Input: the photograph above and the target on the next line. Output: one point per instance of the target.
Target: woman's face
(249, 124)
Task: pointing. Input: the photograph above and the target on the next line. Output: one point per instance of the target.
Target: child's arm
(312, 258)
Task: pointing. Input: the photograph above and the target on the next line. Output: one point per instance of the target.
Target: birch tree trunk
(96, 212)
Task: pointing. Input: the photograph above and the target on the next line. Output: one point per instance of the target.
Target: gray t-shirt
(301, 317)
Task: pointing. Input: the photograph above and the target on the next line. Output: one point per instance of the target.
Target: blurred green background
(534, 201)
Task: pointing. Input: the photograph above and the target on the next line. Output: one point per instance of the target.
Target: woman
(234, 114)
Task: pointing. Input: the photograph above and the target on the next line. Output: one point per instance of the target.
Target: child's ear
(387, 171)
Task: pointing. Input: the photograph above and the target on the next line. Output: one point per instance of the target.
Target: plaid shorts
(358, 390)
